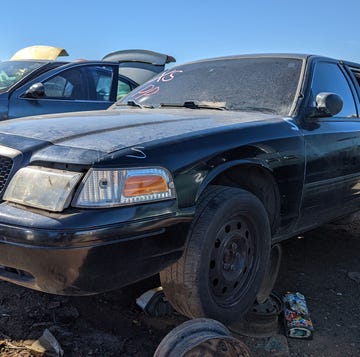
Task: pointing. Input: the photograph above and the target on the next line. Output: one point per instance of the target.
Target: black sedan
(33, 87)
(195, 174)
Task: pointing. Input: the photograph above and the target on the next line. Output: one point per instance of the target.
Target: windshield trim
(299, 89)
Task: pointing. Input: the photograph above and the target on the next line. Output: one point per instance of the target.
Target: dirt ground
(111, 324)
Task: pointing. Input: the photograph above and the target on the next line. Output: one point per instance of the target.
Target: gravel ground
(318, 264)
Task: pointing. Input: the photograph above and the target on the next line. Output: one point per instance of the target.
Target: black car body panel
(301, 162)
(86, 266)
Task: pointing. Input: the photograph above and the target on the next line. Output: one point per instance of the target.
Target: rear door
(332, 176)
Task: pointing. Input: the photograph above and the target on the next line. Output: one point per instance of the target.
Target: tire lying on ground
(201, 337)
(224, 262)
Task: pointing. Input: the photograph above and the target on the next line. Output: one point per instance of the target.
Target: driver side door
(332, 147)
(78, 88)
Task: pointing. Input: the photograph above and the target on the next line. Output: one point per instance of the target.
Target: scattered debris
(46, 344)
(119, 327)
(8, 347)
(297, 318)
(354, 275)
(153, 302)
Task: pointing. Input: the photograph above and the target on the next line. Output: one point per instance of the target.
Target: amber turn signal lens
(144, 185)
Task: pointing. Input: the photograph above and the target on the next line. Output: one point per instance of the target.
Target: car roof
(300, 56)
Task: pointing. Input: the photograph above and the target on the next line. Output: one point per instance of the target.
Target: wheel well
(258, 181)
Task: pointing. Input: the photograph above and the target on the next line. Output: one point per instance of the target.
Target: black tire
(224, 262)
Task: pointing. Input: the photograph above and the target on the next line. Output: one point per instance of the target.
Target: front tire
(224, 262)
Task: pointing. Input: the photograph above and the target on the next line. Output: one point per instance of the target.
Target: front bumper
(62, 255)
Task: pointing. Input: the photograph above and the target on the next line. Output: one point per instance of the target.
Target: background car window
(329, 78)
(102, 79)
(123, 89)
(55, 87)
(13, 71)
(81, 83)
(70, 84)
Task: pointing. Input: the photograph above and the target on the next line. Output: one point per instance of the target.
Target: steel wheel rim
(232, 260)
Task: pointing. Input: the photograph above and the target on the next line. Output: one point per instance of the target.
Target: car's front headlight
(53, 189)
(42, 187)
(118, 187)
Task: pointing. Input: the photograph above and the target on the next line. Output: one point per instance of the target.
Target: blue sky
(188, 30)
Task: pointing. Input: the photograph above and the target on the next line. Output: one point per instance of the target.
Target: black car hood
(86, 137)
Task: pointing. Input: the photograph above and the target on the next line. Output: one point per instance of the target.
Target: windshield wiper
(132, 103)
(256, 109)
(195, 104)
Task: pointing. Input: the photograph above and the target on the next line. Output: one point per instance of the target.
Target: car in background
(38, 86)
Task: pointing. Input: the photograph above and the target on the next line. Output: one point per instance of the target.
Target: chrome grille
(6, 165)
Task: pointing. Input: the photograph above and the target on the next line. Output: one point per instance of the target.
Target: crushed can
(297, 319)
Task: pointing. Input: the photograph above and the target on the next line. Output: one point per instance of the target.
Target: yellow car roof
(40, 53)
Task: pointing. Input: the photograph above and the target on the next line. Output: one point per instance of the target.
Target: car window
(81, 83)
(56, 87)
(123, 89)
(328, 77)
(69, 84)
(102, 78)
(12, 72)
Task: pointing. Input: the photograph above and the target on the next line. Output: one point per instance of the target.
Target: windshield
(266, 84)
(13, 71)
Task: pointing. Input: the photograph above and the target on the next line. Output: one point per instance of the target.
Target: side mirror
(37, 90)
(328, 104)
